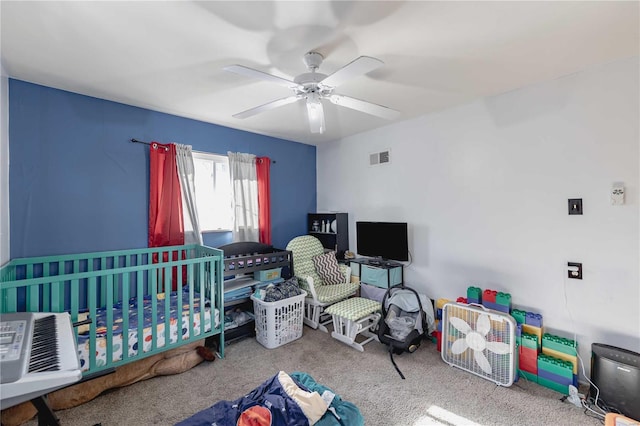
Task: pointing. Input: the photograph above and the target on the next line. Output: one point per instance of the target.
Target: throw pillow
(328, 269)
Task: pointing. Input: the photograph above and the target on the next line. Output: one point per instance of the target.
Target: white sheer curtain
(186, 174)
(244, 185)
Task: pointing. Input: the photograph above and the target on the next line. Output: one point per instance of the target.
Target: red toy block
(528, 359)
(489, 296)
(528, 365)
(461, 300)
(528, 353)
(438, 340)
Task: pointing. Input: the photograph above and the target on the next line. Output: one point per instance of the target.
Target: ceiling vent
(382, 157)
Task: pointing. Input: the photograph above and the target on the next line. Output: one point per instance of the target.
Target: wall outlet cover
(574, 270)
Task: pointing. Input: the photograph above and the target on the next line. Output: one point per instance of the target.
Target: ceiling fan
(314, 86)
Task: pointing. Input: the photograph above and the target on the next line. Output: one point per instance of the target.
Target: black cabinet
(332, 229)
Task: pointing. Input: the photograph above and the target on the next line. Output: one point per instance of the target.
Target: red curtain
(166, 226)
(263, 166)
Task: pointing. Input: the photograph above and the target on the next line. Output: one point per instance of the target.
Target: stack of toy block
(555, 373)
(562, 349)
(529, 342)
(492, 299)
(528, 357)
(438, 320)
(474, 295)
(548, 360)
(496, 300)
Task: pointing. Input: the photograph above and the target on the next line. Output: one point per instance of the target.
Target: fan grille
(467, 354)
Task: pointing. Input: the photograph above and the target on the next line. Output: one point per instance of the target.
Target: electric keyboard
(37, 355)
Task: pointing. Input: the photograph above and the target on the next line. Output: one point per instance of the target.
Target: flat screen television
(385, 240)
(616, 373)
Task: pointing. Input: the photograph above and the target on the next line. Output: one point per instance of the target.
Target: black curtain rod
(134, 140)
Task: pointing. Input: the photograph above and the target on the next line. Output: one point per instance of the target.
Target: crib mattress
(132, 332)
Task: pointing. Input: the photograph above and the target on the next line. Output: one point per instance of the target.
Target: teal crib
(139, 302)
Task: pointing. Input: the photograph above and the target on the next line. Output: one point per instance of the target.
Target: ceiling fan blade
(266, 107)
(364, 106)
(253, 73)
(358, 66)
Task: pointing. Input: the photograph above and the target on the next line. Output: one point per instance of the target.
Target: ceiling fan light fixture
(315, 112)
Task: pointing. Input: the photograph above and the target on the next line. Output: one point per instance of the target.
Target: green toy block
(529, 376)
(503, 299)
(529, 341)
(519, 315)
(559, 344)
(555, 365)
(474, 293)
(553, 385)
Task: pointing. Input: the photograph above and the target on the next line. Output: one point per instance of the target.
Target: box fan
(479, 340)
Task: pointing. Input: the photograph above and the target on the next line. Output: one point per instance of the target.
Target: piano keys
(37, 355)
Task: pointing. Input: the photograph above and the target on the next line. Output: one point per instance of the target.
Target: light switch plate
(575, 205)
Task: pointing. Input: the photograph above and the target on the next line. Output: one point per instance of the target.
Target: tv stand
(378, 272)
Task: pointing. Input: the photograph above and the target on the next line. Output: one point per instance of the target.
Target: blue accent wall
(77, 183)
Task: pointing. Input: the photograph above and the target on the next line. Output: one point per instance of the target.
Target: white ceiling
(169, 56)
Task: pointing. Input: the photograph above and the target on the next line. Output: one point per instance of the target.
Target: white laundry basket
(279, 322)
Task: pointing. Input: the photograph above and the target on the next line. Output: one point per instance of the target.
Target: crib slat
(179, 306)
(154, 311)
(167, 307)
(57, 297)
(109, 312)
(103, 288)
(191, 318)
(93, 348)
(140, 299)
(9, 302)
(33, 299)
(46, 289)
(125, 316)
(74, 302)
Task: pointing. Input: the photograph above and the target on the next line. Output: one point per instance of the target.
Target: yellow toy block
(441, 302)
(566, 357)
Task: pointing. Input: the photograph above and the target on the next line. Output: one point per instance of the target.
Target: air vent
(382, 157)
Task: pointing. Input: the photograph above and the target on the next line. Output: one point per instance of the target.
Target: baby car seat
(405, 321)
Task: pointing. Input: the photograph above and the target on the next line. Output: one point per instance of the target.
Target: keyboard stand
(45, 413)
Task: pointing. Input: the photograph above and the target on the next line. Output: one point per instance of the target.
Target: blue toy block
(534, 319)
(496, 307)
(554, 377)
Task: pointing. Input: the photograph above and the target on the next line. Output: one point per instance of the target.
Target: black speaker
(616, 372)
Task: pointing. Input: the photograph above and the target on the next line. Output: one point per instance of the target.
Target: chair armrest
(308, 285)
(346, 270)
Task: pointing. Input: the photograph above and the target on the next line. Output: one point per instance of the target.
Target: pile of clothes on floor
(282, 400)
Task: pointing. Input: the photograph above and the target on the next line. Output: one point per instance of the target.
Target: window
(213, 192)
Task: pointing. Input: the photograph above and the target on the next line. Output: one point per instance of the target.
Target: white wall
(484, 188)
(4, 168)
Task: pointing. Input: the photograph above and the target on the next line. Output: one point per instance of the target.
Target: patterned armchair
(319, 294)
